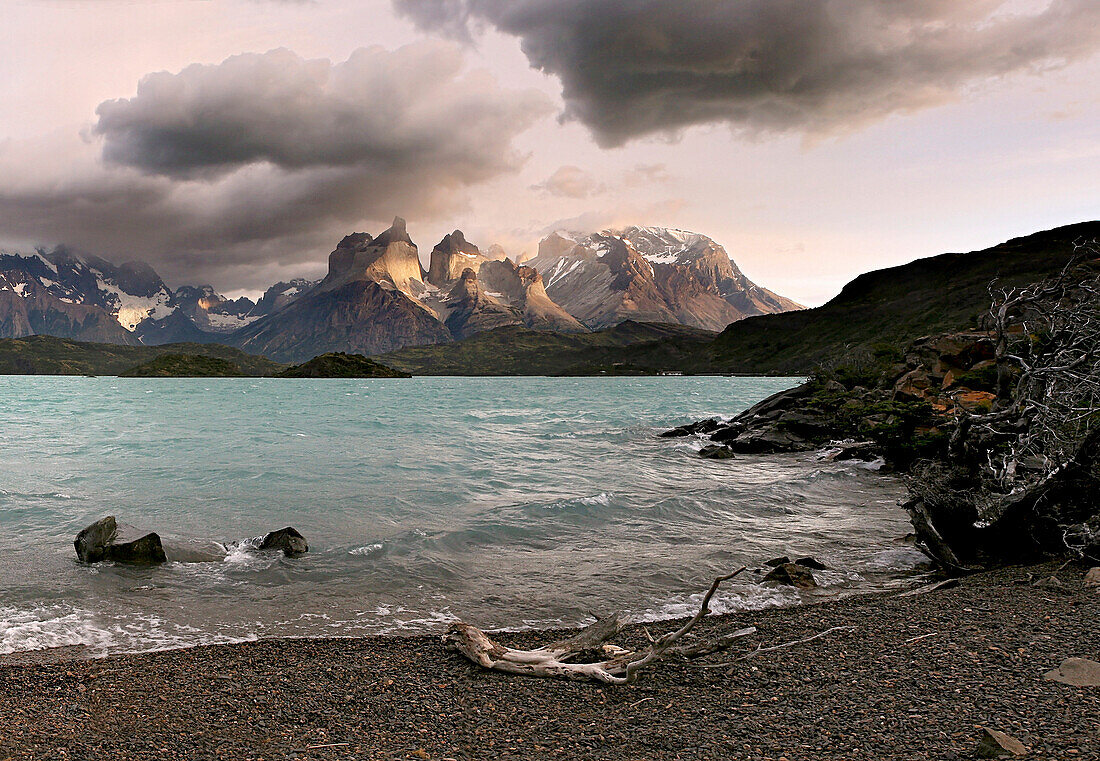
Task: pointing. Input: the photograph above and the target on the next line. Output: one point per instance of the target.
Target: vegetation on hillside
(184, 366)
(47, 355)
(629, 348)
(891, 306)
(340, 365)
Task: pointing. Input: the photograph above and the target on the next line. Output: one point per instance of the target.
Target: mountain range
(884, 309)
(377, 296)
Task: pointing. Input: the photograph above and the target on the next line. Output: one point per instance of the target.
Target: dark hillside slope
(516, 350)
(895, 305)
(47, 355)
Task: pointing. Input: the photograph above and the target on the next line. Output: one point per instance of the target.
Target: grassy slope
(893, 305)
(47, 355)
(517, 350)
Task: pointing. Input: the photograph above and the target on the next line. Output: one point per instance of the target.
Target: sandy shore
(914, 678)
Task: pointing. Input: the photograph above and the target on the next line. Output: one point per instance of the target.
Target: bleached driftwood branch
(570, 658)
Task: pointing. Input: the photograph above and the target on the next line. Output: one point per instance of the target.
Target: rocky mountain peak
(390, 259)
(451, 257)
(354, 240)
(396, 233)
(654, 274)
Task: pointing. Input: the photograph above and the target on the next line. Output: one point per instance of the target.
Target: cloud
(630, 68)
(234, 172)
(647, 174)
(570, 182)
(379, 110)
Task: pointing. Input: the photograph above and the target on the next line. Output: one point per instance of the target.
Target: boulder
(839, 451)
(1078, 672)
(716, 452)
(792, 575)
(286, 539)
(995, 744)
(1092, 578)
(768, 440)
(106, 539)
(702, 426)
(809, 562)
(781, 560)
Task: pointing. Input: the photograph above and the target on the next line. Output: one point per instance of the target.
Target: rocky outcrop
(471, 310)
(391, 259)
(792, 575)
(451, 257)
(522, 288)
(650, 274)
(360, 317)
(903, 401)
(106, 539)
(282, 294)
(287, 540)
(213, 313)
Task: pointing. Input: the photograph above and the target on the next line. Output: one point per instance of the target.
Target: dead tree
(1018, 477)
(585, 656)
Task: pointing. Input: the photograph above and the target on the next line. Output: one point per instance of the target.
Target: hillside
(934, 295)
(341, 365)
(516, 350)
(184, 366)
(46, 355)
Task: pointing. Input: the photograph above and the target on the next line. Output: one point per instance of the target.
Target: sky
(234, 142)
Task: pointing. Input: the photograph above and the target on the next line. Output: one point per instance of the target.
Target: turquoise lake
(507, 502)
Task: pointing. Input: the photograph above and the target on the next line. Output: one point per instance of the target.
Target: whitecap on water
(63, 625)
(366, 549)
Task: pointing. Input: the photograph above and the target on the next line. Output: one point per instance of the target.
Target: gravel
(913, 678)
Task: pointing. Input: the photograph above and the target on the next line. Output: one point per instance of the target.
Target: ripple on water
(505, 501)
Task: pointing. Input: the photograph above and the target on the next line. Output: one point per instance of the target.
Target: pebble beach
(906, 677)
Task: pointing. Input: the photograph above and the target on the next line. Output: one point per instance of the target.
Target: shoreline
(913, 678)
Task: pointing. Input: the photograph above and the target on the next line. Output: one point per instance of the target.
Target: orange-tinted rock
(975, 401)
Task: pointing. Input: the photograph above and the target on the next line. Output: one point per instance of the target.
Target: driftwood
(586, 655)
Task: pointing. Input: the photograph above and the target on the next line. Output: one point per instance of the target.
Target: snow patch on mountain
(131, 310)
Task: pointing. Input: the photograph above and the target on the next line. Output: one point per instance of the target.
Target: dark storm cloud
(238, 172)
(635, 67)
(389, 112)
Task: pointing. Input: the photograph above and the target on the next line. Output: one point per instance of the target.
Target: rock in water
(781, 560)
(792, 575)
(994, 744)
(91, 543)
(286, 539)
(809, 562)
(1092, 578)
(703, 426)
(1079, 672)
(716, 452)
(106, 540)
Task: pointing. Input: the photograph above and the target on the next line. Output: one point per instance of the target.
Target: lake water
(507, 502)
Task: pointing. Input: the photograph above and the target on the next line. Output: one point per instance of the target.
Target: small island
(337, 364)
